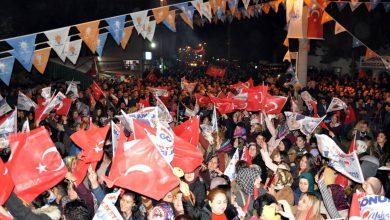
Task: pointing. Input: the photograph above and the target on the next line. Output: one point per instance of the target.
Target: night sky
(250, 39)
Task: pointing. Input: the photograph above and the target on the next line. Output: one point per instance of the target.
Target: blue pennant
(6, 66)
(24, 47)
(188, 10)
(341, 5)
(115, 27)
(100, 45)
(374, 3)
(233, 4)
(386, 5)
(356, 43)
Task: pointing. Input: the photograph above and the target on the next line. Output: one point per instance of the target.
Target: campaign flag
(309, 124)
(185, 85)
(64, 107)
(294, 16)
(148, 115)
(224, 106)
(25, 103)
(150, 29)
(159, 91)
(89, 32)
(43, 169)
(246, 3)
(42, 112)
(72, 90)
(127, 31)
(356, 42)
(198, 5)
(4, 107)
(139, 19)
(107, 209)
(163, 113)
(26, 126)
(336, 104)
(97, 92)
(24, 47)
(57, 39)
(215, 71)
(6, 183)
(274, 104)
(164, 141)
(186, 155)
(214, 121)
(169, 21)
(6, 66)
(115, 133)
(292, 120)
(40, 59)
(189, 130)
(314, 22)
(160, 13)
(187, 14)
(233, 5)
(72, 50)
(354, 4)
(202, 100)
(101, 40)
(46, 92)
(338, 28)
(373, 207)
(308, 99)
(8, 123)
(142, 169)
(230, 170)
(347, 164)
(206, 10)
(116, 26)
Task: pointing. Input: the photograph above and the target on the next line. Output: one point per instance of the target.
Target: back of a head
(76, 210)
(183, 217)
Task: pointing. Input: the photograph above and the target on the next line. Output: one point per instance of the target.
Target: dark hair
(137, 202)
(261, 201)
(183, 217)
(214, 192)
(309, 163)
(241, 164)
(77, 210)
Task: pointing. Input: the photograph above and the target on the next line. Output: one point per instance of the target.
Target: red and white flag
(6, 183)
(189, 130)
(185, 85)
(8, 123)
(203, 101)
(256, 97)
(274, 104)
(97, 92)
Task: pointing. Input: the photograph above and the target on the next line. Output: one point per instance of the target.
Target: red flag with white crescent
(6, 183)
(203, 101)
(274, 104)
(43, 169)
(189, 130)
(256, 97)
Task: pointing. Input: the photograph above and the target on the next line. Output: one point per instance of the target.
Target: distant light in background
(99, 58)
(148, 55)
(153, 45)
(255, 67)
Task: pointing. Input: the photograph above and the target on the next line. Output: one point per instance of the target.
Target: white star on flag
(97, 149)
(41, 168)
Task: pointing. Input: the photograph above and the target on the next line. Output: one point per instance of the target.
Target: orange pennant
(187, 20)
(325, 18)
(368, 6)
(171, 19)
(160, 14)
(222, 5)
(251, 11)
(213, 6)
(274, 5)
(370, 54)
(126, 36)
(285, 42)
(89, 32)
(287, 57)
(266, 8)
(307, 2)
(41, 57)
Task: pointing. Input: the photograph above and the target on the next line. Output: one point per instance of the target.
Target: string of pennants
(317, 17)
(24, 48)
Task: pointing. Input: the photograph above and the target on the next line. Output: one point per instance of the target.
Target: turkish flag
(151, 77)
(274, 104)
(221, 95)
(314, 25)
(35, 165)
(215, 71)
(203, 101)
(144, 103)
(6, 183)
(142, 169)
(186, 155)
(189, 130)
(256, 97)
(240, 85)
(224, 106)
(97, 92)
(63, 108)
(141, 129)
(91, 142)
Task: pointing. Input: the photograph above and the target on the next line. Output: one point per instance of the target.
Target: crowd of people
(292, 180)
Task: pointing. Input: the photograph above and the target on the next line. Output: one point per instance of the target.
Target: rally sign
(374, 207)
(107, 209)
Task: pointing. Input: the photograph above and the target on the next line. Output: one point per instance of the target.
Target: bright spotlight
(153, 45)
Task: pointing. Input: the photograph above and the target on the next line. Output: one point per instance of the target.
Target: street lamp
(153, 45)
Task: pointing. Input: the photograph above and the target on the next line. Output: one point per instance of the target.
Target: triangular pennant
(169, 21)
(89, 32)
(144, 28)
(206, 10)
(246, 3)
(139, 19)
(198, 4)
(57, 39)
(287, 56)
(187, 14)
(233, 5)
(341, 5)
(385, 63)
(160, 13)
(285, 42)
(338, 28)
(326, 17)
(356, 42)
(266, 8)
(100, 43)
(370, 54)
(368, 6)
(374, 3)
(72, 50)
(274, 5)
(24, 47)
(126, 36)
(354, 4)
(213, 6)
(6, 66)
(115, 27)
(150, 30)
(41, 57)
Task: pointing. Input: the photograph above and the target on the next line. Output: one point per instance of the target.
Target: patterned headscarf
(246, 178)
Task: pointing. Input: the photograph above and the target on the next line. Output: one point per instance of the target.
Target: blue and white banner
(139, 18)
(101, 41)
(24, 47)
(115, 27)
(25, 103)
(9, 124)
(4, 107)
(6, 66)
(374, 207)
(57, 39)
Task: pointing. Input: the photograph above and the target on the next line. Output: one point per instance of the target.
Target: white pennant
(57, 39)
(9, 125)
(198, 5)
(26, 126)
(4, 107)
(206, 10)
(151, 29)
(72, 50)
(246, 4)
(336, 104)
(230, 170)
(25, 103)
(139, 18)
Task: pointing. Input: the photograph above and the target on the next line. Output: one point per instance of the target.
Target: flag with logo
(294, 16)
(314, 22)
(40, 59)
(4, 107)
(57, 39)
(101, 41)
(89, 32)
(336, 104)
(72, 50)
(43, 169)
(97, 92)
(116, 26)
(72, 90)
(46, 93)
(170, 22)
(6, 67)
(198, 5)
(206, 11)
(347, 164)
(64, 107)
(139, 19)
(256, 97)
(24, 47)
(43, 112)
(25, 103)
(160, 13)
(127, 31)
(187, 14)
(8, 123)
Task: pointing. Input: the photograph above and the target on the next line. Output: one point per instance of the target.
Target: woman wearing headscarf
(197, 187)
(306, 184)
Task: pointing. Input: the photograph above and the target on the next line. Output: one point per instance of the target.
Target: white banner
(374, 207)
(72, 50)
(4, 107)
(294, 16)
(9, 125)
(46, 92)
(230, 170)
(139, 18)
(107, 209)
(163, 113)
(336, 104)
